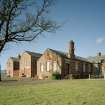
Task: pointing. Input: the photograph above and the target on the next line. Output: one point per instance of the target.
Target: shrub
(56, 76)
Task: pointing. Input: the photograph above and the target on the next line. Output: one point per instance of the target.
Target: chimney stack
(99, 54)
(71, 54)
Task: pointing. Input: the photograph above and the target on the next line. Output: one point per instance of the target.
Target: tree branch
(12, 30)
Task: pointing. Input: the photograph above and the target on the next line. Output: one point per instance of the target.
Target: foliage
(24, 20)
(56, 76)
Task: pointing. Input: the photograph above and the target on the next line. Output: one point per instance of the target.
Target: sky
(81, 20)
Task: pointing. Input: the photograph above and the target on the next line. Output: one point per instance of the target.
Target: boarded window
(54, 66)
(28, 64)
(42, 67)
(49, 65)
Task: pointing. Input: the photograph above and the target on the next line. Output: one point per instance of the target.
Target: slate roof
(15, 59)
(96, 59)
(82, 59)
(63, 54)
(33, 54)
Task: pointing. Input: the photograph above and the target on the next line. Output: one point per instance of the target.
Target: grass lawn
(63, 92)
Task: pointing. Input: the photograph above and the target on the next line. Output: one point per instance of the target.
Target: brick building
(28, 64)
(98, 62)
(13, 67)
(67, 64)
(103, 68)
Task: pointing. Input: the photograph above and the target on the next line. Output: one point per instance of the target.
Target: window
(9, 64)
(28, 64)
(54, 66)
(89, 68)
(49, 65)
(84, 68)
(76, 66)
(25, 63)
(42, 67)
(67, 68)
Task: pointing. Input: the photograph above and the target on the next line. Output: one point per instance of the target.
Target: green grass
(64, 92)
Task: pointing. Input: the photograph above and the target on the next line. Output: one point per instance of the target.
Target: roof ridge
(32, 52)
(57, 50)
(14, 58)
(82, 58)
(64, 54)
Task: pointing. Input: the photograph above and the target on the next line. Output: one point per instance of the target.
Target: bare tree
(24, 20)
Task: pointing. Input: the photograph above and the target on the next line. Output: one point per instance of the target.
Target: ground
(63, 92)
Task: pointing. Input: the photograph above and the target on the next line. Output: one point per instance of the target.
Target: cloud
(100, 40)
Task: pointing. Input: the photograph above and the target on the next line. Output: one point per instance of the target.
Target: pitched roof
(82, 59)
(15, 59)
(96, 59)
(33, 54)
(63, 54)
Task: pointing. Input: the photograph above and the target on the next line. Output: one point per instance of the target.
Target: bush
(56, 76)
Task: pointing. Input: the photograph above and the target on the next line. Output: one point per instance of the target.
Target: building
(28, 64)
(66, 64)
(97, 63)
(13, 67)
(103, 69)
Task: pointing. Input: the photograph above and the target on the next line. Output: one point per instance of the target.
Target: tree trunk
(1, 47)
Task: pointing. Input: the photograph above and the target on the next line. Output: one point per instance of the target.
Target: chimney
(19, 56)
(99, 54)
(71, 54)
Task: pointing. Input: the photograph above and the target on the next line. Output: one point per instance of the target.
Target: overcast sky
(82, 21)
